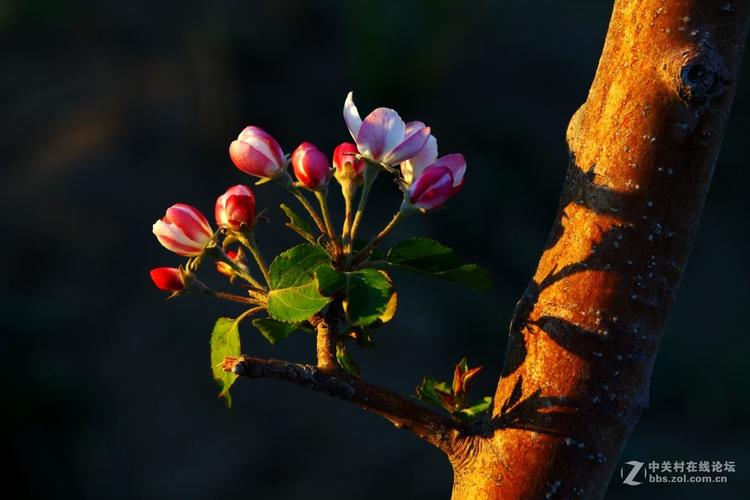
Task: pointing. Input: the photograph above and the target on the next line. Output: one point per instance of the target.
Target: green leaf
(297, 303)
(463, 365)
(368, 295)
(225, 342)
(329, 280)
(294, 295)
(473, 412)
(345, 359)
(428, 390)
(426, 256)
(296, 265)
(274, 331)
(296, 222)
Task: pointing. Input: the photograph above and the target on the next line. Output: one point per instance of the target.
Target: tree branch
(436, 429)
(325, 342)
(585, 334)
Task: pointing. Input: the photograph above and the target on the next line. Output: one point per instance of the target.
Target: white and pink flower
(383, 136)
(431, 189)
(256, 153)
(428, 157)
(183, 230)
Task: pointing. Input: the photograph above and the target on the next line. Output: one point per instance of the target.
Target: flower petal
(431, 189)
(351, 116)
(409, 147)
(190, 221)
(456, 163)
(270, 147)
(175, 240)
(167, 278)
(414, 166)
(380, 133)
(250, 160)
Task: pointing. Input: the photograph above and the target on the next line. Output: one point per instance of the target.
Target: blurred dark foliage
(111, 111)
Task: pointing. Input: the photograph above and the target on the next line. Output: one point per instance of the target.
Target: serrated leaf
(345, 359)
(296, 222)
(297, 265)
(296, 303)
(225, 342)
(474, 411)
(329, 280)
(273, 330)
(426, 256)
(294, 295)
(368, 294)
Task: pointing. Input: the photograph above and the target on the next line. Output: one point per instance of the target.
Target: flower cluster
(333, 273)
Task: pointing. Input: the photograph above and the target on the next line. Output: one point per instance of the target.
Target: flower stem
(321, 196)
(398, 217)
(310, 209)
(232, 297)
(217, 253)
(253, 246)
(249, 312)
(371, 173)
(348, 190)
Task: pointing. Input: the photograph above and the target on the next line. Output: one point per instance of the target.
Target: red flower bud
(235, 207)
(345, 163)
(226, 269)
(183, 230)
(167, 278)
(256, 153)
(311, 166)
(431, 189)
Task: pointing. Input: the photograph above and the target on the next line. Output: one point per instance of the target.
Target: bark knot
(698, 75)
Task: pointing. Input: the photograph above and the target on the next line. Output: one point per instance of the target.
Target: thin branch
(325, 344)
(436, 429)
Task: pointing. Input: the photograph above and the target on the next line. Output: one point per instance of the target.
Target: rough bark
(586, 332)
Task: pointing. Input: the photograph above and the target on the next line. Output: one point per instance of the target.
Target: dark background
(111, 111)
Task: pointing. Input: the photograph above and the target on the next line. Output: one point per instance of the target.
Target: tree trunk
(585, 334)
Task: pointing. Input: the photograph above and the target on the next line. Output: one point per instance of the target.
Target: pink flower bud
(345, 163)
(183, 230)
(311, 166)
(256, 153)
(167, 278)
(431, 189)
(235, 207)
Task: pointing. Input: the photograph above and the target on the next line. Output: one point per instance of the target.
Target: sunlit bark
(586, 332)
